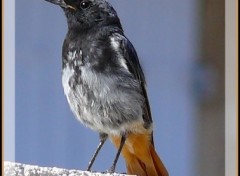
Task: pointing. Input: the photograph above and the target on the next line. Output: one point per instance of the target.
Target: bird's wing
(134, 67)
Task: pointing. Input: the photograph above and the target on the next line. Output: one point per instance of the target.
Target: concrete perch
(18, 169)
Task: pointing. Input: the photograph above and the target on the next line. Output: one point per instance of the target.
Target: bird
(105, 86)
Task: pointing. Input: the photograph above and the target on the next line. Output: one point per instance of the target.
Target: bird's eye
(85, 5)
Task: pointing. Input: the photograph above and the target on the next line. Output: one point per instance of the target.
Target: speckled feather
(102, 78)
(105, 86)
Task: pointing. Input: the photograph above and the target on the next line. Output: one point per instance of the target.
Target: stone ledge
(18, 169)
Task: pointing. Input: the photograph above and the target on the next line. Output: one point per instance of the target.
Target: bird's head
(87, 14)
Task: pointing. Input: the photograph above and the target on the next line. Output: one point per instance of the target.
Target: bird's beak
(61, 3)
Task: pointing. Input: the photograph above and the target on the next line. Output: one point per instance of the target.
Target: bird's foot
(111, 170)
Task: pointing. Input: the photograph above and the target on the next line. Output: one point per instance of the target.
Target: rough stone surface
(18, 169)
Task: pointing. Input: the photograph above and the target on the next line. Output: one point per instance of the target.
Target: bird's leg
(103, 137)
(113, 167)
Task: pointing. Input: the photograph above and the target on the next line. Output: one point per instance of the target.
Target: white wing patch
(115, 45)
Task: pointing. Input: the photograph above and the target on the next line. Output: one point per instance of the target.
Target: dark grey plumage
(105, 85)
(102, 77)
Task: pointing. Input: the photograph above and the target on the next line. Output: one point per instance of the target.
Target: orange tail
(140, 156)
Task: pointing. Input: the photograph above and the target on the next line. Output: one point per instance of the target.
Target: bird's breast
(109, 103)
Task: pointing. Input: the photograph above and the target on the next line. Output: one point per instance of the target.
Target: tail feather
(140, 156)
(157, 162)
(134, 165)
